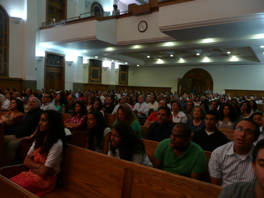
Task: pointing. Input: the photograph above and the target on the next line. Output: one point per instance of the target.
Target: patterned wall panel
(4, 42)
(123, 75)
(95, 71)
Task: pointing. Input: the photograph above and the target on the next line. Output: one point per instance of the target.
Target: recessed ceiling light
(113, 61)
(198, 54)
(262, 46)
(171, 55)
(126, 63)
(148, 56)
(138, 65)
(96, 57)
(228, 52)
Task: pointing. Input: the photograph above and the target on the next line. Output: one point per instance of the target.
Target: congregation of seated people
(184, 127)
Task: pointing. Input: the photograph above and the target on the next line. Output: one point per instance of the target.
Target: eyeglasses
(247, 131)
(31, 102)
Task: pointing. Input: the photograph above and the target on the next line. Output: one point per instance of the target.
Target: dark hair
(248, 106)
(100, 104)
(50, 95)
(54, 133)
(187, 130)
(213, 112)
(20, 105)
(260, 145)
(255, 113)
(255, 106)
(96, 133)
(234, 100)
(257, 131)
(237, 108)
(232, 114)
(206, 106)
(115, 6)
(130, 143)
(83, 108)
(167, 109)
(178, 103)
(63, 100)
(191, 103)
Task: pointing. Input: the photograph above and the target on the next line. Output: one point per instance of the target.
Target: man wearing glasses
(231, 162)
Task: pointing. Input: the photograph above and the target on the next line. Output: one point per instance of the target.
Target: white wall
(244, 77)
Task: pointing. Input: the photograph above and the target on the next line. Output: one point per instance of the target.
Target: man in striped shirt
(231, 162)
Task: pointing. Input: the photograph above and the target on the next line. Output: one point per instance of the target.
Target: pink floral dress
(32, 181)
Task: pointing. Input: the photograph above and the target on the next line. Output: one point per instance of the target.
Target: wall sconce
(16, 19)
(69, 63)
(105, 68)
(39, 58)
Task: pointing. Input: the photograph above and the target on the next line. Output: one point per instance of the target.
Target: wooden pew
(144, 131)
(110, 119)
(66, 116)
(85, 173)
(228, 133)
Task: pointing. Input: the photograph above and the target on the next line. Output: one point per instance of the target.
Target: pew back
(86, 173)
(228, 133)
(110, 119)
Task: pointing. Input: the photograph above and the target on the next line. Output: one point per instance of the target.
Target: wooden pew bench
(110, 119)
(228, 133)
(86, 173)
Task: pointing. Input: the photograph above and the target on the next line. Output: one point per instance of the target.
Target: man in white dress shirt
(153, 103)
(141, 108)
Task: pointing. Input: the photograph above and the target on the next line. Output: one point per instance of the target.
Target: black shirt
(156, 132)
(108, 109)
(211, 142)
(29, 123)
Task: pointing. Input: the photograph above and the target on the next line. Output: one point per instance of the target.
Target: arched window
(97, 9)
(4, 42)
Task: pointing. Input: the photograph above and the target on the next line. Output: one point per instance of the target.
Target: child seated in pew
(44, 156)
(125, 144)
(99, 133)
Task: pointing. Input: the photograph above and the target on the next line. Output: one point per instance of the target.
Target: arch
(200, 79)
(97, 8)
(4, 42)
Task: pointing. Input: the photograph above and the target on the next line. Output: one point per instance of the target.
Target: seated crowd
(184, 126)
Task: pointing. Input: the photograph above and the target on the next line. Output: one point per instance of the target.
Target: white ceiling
(242, 40)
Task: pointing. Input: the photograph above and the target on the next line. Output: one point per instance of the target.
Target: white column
(79, 69)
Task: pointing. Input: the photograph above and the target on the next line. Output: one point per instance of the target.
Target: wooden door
(184, 86)
(200, 79)
(54, 72)
(56, 9)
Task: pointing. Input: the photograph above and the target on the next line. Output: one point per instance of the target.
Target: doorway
(54, 77)
(199, 79)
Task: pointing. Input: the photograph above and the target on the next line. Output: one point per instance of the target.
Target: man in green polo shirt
(179, 155)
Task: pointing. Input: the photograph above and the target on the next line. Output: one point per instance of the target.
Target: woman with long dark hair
(44, 157)
(97, 105)
(79, 118)
(14, 117)
(253, 106)
(228, 116)
(109, 104)
(126, 145)
(61, 102)
(99, 133)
